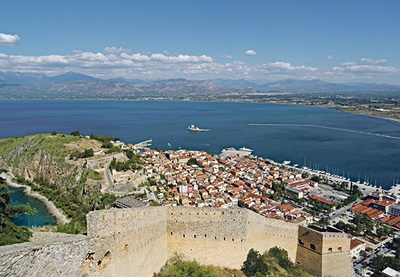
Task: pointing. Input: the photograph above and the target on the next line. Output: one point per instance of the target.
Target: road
(108, 177)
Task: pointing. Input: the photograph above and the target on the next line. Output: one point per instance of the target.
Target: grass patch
(8, 144)
(94, 175)
(177, 266)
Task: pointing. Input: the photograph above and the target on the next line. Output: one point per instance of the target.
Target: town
(235, 178)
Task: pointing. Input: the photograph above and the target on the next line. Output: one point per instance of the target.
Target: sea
(359, 147)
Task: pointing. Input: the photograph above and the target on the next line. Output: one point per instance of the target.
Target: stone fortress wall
(139, 241)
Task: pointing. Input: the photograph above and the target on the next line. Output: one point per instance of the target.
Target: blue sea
(360, 156)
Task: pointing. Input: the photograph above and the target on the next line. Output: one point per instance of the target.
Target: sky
(261, 41)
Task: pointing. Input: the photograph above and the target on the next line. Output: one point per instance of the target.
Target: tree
(75, 133)
(28, 211)
(9, 232)
(254, 264)
(54, 133)
(34, 213)
(323, 222)
(191, 161)
(282, 257)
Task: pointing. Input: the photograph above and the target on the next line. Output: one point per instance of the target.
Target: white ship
(194, 128)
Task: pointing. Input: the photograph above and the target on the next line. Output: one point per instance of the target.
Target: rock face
(30, 159)
(138, 242)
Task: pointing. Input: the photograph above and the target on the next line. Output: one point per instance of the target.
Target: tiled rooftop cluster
(233, 181)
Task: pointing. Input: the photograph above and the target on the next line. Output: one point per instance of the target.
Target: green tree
(75, 133)
(282, 257)
(254, 264)
(34, 213)
(28, 211)
(191, 161)
(9, 232)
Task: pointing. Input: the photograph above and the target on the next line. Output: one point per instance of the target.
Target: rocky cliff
(42, 157)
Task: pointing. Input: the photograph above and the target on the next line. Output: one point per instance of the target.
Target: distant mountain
(228, 83)
(18, 78)
(76, 85)
(127, 81)
(322, 86)
(71, 76)
(302, 86)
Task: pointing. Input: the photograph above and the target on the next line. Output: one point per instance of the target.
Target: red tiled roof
(321, 199)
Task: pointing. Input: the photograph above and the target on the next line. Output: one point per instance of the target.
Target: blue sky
(336, 41)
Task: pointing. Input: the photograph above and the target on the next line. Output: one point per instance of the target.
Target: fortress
(139, 241)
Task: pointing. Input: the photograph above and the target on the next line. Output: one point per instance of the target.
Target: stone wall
(61, 255)
(223, 237)
(126, 242)
(211, 236)
(139, 241)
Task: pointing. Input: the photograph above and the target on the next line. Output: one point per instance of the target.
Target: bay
(42, 218)
(361, 156)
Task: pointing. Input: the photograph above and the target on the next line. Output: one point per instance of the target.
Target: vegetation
(54, 145)
(254, 265)
(274, 262)
(113, 149)
(94, 175)
(106, 140)
(177, 266)
(364, 226)
(72, 201)
(75, 154)
(191, 161)
(133, 163)
(9, 232)
(381, 262)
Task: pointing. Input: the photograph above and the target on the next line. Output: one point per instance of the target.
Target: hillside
(71, 85)
(64, 168)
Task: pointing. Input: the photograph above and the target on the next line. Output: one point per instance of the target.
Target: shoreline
(51, 208)
(199, 100)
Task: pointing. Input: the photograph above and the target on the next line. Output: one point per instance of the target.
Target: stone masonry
(139, 241)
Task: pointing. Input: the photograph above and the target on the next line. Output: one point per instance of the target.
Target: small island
(194, 128)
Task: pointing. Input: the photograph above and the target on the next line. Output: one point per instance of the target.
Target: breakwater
(324, 127)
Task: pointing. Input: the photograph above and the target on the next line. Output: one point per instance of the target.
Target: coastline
(367, 114)
(360, 112)
(60, 217)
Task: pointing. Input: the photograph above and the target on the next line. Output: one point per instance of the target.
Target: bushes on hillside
(75, 154)
(9, 232)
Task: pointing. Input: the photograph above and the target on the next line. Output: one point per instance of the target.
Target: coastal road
(108, 177)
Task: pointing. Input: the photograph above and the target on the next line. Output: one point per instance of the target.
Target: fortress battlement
(139, 241)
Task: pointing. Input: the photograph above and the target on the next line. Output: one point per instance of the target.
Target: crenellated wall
(139, 241)
(126, 242)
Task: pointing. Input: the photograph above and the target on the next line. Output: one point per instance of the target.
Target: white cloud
(115, 50)
(329, 57)
(160, 66)
(227, 56)
(366, 68)
(8, 40)
(251, 52)
(372, 61)
(165, 52)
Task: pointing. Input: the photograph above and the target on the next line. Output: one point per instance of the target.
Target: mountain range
(76, 85)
